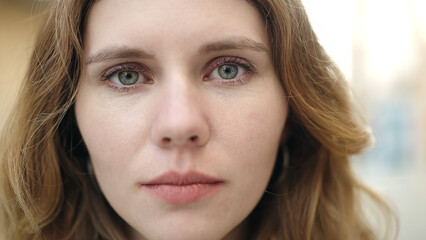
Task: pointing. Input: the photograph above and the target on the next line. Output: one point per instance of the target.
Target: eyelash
(237, 61)
(136, 67)
(211, 66)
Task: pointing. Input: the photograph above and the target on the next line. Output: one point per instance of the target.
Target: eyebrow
(110, 53)
(242, 43)
(239, 43)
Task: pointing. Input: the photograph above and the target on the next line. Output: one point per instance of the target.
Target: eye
(227, 71)
(126, 77)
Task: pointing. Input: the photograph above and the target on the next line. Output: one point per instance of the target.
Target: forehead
(159, 22)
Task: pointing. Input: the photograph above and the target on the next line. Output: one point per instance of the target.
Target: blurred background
(380, 45)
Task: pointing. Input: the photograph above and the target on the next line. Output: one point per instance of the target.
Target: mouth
(175, 188)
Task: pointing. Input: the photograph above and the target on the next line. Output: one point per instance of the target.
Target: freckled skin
(136, 135)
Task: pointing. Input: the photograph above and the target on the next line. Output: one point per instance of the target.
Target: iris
(228, 71)
(128, 78)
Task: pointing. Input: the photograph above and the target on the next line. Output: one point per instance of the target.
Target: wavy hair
(47, 192)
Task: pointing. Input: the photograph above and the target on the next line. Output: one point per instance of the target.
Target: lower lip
(183, 194)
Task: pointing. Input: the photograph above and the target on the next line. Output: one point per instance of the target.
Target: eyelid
(219, 61)
(109, 73)
(249, 69)
(233, 60)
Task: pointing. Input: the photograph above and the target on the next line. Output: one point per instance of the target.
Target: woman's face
(181, 112)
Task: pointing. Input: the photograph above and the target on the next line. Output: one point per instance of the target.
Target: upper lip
(176, 178)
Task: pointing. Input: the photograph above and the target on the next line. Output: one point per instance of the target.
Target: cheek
(98, 131)
(256, 123)
(111, 130)
(261, 142)
(113, 135)
(252, 135)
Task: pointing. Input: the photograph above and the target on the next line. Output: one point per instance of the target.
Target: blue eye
(126, 75)
(126, 78)
(227, 71)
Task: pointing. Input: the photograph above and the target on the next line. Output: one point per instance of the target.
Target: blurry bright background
(380, 45)
(18, 24)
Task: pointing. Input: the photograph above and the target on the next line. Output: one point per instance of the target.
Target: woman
(183, 120)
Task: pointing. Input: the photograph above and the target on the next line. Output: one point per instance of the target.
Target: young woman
(183, 119)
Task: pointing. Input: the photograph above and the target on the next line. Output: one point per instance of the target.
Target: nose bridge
(179, 98)
(181, 119)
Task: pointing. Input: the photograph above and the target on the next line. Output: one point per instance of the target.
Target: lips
(175, 188)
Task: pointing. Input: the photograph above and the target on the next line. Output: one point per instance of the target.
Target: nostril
(169, 141)
(166, 140)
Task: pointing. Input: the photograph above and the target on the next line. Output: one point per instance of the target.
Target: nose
(181, 119)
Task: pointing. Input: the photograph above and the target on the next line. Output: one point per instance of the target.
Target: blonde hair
(47, 192)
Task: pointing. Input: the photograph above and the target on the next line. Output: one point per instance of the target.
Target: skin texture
(182, 118)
